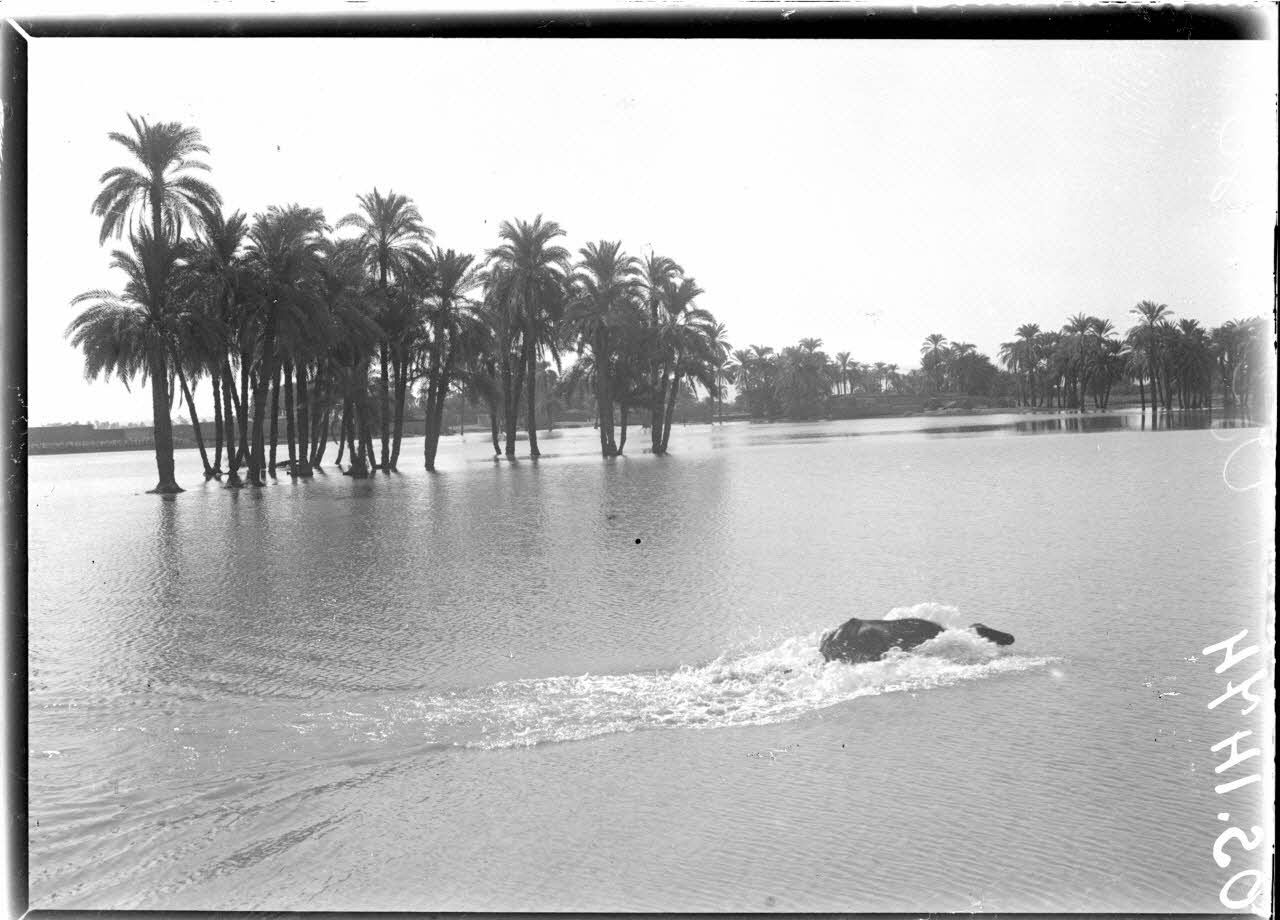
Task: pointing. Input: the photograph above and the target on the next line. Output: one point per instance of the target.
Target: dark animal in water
(868, 640)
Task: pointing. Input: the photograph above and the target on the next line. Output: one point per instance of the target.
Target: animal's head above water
(992, 635)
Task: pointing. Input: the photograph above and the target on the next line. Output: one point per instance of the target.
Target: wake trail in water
(739, 688)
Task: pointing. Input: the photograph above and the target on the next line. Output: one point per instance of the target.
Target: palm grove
(282, 311)
(344, 329)
(1171, 364)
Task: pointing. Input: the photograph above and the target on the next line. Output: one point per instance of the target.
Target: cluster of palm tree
(1176, 363)
(797, 381)
(954, 367)
(794, 382)
(348, 328)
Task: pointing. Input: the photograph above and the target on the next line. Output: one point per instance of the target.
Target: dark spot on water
(637, 541)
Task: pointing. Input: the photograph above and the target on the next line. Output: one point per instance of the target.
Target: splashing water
(741, 688)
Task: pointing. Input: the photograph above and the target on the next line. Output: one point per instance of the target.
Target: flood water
(586, 685)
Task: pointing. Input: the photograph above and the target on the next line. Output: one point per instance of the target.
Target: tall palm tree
(451, 315)
(216, 266)
(1150, 316)
(684, 341)
(605, 283)
(656, 273)
(284, 258)
(158, 187)
(529, 271)
(392, 236)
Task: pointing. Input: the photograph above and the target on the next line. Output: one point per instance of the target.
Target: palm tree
(685, 340)
(392, 236)
(843, 360)
(450, 316)
(1146, 334)
(216, 266)
(131, 334)
(720, 351)
(161, 186)
(528, 273)
(605, 284)
(932, 349)
(656, 272)
(284, 258)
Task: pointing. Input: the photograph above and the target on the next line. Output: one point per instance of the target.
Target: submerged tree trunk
(531, 402)
(342, 436)
(233, 450)
(215, 379)
(513, 382)
(209, 472)
(290, 429)
(400, 370)
(243, 409)
(257, 455)
(302, 465)
(384, 406)
(161, 425)
(671, 408)
(493, 426)
(275, 418)
(622, 424)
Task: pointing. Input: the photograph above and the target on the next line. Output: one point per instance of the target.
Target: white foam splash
(943, 614)
(752, 688)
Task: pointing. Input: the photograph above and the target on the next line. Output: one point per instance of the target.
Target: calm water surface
(587, 685)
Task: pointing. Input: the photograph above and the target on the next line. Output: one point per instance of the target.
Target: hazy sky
(867, 193)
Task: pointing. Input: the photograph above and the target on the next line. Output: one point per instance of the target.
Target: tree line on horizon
(1178, 364)
(345, 327)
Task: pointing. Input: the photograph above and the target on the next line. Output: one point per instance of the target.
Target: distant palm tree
(160, 185)
(718, 350)
(843, 359)
(1145, 333)
(392, 236)
(933, 349)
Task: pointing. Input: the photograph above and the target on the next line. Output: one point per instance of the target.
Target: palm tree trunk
(320, 440)
(303, 468)
(401, 373)
(257, 456)
(215, 379)
(290, 429)
(657, 411)
(275, 417)
(342, 434)
(209, 472)
(233, 449)
(622, 424)
(493, 426)
(162, 428)
(531, 403)
(245, 448)
(384, 407)
(671, 408)
(514, 382)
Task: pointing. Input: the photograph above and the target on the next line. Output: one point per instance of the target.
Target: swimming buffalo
(867, 640)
